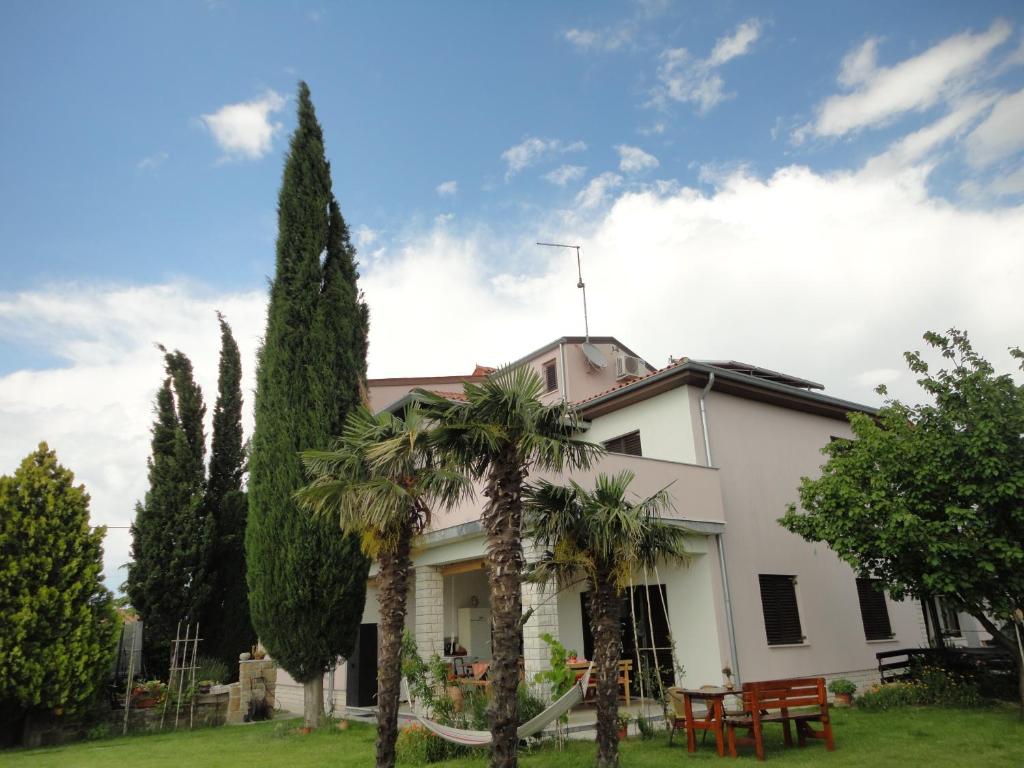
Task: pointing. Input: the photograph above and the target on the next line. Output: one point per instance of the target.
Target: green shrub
(214, 670)
(529, 705)
(931, 686)
(841, 686)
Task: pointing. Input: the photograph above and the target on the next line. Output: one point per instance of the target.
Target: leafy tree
(226, 626)
(499, 434)
(307, 584)
(382, 479)
(605, 539)
(58, 630)
(170, 534)
(929, 498)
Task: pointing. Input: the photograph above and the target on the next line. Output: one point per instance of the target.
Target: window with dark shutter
(629, 444)
(551, 376)
(781, 614)
(873, 611)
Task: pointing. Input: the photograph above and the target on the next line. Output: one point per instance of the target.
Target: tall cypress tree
(170, 537)
(307, 582)
(227, 628)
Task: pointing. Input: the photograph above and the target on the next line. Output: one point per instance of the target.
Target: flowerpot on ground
(623, 733)
(844, 699)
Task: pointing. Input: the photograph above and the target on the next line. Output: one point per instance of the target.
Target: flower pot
(623, 733)
(844, 699)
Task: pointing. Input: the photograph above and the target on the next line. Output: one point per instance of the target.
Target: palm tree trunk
(605, 626)
(502, 518)
(392, 590)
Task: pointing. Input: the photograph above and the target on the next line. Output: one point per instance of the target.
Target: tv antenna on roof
(579, 283)
(592, 354)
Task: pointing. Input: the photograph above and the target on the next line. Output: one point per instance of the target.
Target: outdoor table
(714, 700)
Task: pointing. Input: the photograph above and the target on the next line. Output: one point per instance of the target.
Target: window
(873, 611)
(949, 619)
(550, 376)
(628, 444)
(781, 614)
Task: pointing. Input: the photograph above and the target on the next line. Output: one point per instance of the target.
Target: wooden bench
(797, 700)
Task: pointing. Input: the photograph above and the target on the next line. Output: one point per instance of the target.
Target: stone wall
(48, 730)
(256, 678)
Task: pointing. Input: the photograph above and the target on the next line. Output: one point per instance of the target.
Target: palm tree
(602, 538)
(498, 434)
(382, 479)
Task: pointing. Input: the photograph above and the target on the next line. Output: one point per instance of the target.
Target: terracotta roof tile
(449, 395)
(483, 370)
(625, 384)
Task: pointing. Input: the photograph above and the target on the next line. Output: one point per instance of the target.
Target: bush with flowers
(930, 686)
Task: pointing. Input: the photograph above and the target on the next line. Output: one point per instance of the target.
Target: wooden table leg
(691, 731)
(719, 721)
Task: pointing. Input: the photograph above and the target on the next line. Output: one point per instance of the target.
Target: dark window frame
(780, 607)
(874, 610)
(628, 444)
(550, 369)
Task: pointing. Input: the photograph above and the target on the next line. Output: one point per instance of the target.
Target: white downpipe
(730, 625)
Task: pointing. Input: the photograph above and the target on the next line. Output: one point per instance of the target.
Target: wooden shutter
(873, 611)
(628, 444)
(551, 376)
(781, 614)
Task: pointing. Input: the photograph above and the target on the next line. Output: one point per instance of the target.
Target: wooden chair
(675, 695)
(773, 701)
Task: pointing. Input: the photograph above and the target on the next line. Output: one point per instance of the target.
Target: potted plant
(572, 657)
(843, 690)
(205, 686)
(727, 673)
(622, 722)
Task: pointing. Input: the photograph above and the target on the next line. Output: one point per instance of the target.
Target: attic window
(628, 444)
(550, 376)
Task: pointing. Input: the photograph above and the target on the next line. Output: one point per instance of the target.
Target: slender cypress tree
(227, 628)
(307, 581)
(166, 578)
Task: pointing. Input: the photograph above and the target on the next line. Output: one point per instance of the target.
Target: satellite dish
(594, 356)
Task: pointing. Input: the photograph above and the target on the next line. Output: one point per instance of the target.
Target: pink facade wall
(695, 491)
(762, 451)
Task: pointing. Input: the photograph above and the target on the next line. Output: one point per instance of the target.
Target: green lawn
(900, 739)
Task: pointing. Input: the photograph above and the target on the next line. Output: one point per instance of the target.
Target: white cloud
(609, 39)
(245, 130)
(1001, 134)
(443, 219)
(684, 78)
(597, 190)
(634, 159)
(914, 84)
(737, 44)
(656, 129)
(152, 162)
(532, 150)
(837, 275)
(565, 174)
(447, 188)
(365, 236)
(919, 145)
(1011, 184)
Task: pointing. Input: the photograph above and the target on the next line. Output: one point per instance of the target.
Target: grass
(893, 739)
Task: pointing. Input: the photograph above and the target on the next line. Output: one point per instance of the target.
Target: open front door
(361, 674)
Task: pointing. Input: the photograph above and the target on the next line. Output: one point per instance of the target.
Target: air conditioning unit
(629, 367)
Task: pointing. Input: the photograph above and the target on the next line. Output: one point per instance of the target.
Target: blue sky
(410, 95)
(806, 186)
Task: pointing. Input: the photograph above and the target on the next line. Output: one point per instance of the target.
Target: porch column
(429, 611)
(536, 653)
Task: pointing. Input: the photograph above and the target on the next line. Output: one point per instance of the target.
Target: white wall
(666, 429)
(458, 593)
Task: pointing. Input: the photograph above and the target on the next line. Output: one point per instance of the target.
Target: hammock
(470, 738)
